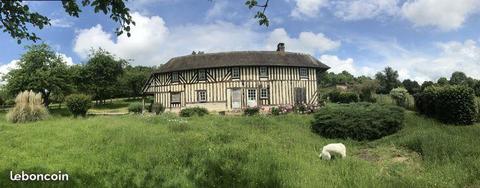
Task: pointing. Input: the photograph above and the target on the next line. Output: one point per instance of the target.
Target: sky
(421, 39)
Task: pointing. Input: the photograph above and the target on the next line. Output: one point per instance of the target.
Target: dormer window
(235, 73)
(263, 72)
(303, 73)
(202, 75)
(174, 77)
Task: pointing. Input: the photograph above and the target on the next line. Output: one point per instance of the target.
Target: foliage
(337, 96)
(41, 70)
(100, 75)
(15, 15)
(358, 121)
(135, 107)
(366, 90)
(158, 108)
(426, 84)
(449, 104)
(78, 104)
(388, 79)
(442, 81)
(28, 107)
(189, 112)
(329, 79)
(250, 111)
(305, 108)
(411, 86)
(458, 78)
(281, 109)
(400, 96)
(133, 80)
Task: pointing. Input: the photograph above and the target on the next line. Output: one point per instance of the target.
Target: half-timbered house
(236, 80)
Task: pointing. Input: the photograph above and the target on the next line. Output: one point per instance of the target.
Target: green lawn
(234, 151)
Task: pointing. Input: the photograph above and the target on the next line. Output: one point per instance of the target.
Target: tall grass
(236, 151)
(28, 107)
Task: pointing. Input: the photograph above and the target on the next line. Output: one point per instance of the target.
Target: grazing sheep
(333, 149)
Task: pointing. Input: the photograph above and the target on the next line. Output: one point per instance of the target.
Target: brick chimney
(281, 47)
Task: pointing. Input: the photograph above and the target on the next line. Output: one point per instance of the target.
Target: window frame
(267, 94)
(199, 96)
(303, 76)
(176, 76)
(179, 97)
(204, 74)
(265, 74)
(233, 71)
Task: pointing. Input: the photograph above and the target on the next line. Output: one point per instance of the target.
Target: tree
(388, 79)
(41, 70)
(16, 17)
(411, 86)
(426, 84)
(134, 79)
(442, 81)
(101, 74)
(458, 78)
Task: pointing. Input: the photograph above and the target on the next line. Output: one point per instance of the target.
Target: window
(202, 75)
(236, 73)
(263, 72)
(174, 76)
(175, 98)
(202, 96)
(303, 73)
(252, 94)
(264, 93)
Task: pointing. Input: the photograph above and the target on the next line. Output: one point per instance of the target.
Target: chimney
(281, 47)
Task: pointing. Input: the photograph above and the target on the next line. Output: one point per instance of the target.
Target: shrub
(282, 109)
(28, 107)
(275, 111)
(135, 107)
(250, 111)
(305, 108)
(400, 96)
(189, 112)
(342, 97)
(358, 121)
(78, 104)
(366, 90)
(158, 108)
(449, 104)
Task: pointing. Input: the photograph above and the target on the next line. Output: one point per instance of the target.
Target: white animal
(333, 149)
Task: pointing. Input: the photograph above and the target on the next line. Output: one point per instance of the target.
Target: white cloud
(308, 8)
(338, 65)
(444, 14)
(153, 43)
(61, 22)
(5, 68)
(68, 60)
(364, 9)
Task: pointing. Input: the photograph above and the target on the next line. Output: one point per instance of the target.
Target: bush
(358, 121)
(366, 90)
(78, 104)
(400, 96)
(158, 108)
(28, 107)
(250, 111)
(305, 108)
(282, 109)
(342, 97)
(449, 104)
(135, 107)
(189, 112)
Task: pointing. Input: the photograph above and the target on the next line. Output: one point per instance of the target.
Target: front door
(236, 98)
(300, 95)
(251, 97)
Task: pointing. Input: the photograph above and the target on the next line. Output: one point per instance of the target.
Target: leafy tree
(476, 88)
(100, 75)
(442, 81)
(411, 86)
(41, 70)
(134, 79)
(16, 17)
(458, 78)
(426, 84)
(388, 79)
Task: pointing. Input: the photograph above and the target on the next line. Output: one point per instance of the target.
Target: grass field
(233, 151)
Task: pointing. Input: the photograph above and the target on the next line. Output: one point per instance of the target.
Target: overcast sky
(422, 39)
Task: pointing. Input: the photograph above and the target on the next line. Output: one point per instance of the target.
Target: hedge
(342, 97)
(188, 112)
(358, 121)
(449, 104)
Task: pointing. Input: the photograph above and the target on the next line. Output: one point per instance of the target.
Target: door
(251, 97)
(300, 95)
(236, 98)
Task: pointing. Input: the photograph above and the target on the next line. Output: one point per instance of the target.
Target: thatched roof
(241, 58)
